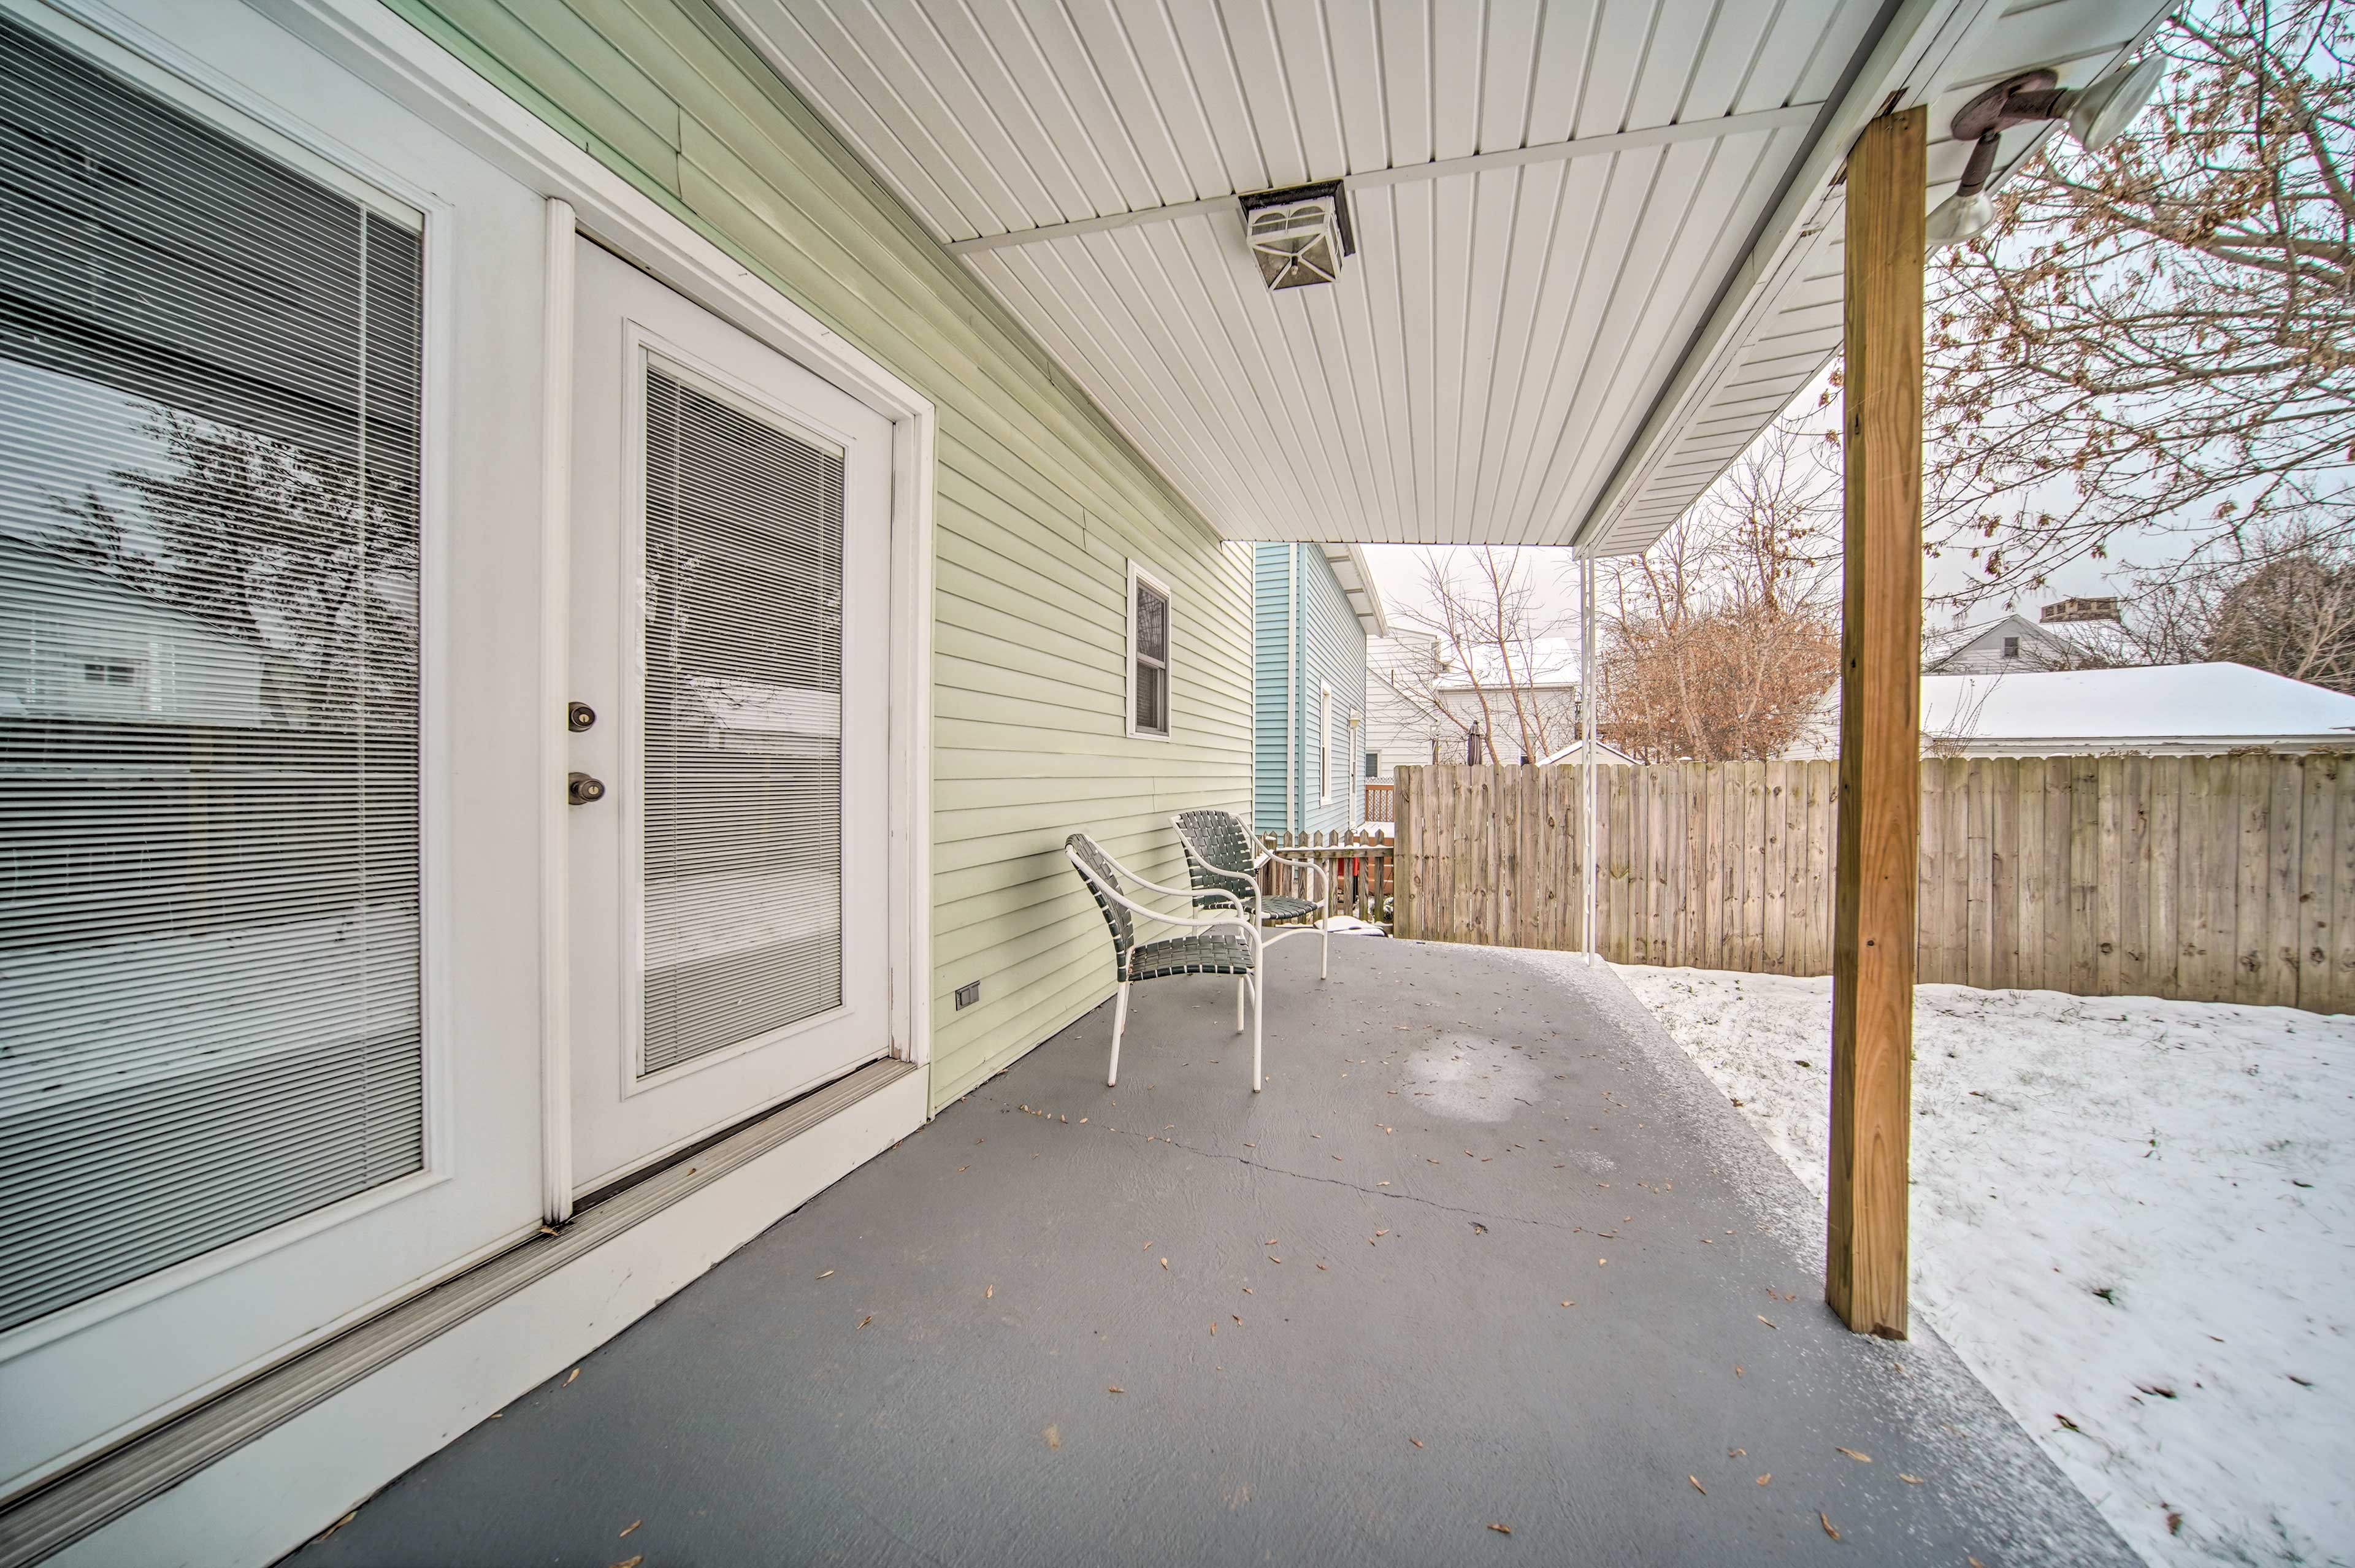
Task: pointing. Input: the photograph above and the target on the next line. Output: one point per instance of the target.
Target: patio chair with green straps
(1219, 945)
(1224, 861)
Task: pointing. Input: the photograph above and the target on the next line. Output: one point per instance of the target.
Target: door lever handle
(580, 789)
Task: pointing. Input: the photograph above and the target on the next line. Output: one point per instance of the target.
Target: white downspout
(1291, 690)
(1586, 756)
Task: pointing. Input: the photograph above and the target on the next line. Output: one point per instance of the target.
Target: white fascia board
(1357, 580)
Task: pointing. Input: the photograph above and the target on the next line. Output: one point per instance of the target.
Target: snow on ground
(2132, 1218)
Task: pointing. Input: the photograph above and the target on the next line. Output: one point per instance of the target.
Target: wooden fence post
(1881, 690)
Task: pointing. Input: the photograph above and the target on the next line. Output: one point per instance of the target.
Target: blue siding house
(1313, 605)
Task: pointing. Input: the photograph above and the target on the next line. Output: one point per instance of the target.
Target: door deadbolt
(580, 789)
(579, 716)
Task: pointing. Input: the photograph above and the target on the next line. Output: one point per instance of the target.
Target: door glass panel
(209, 389)
(743, 725)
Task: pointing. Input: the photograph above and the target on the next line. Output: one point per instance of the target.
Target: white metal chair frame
(1322, 879)
(1250, 982)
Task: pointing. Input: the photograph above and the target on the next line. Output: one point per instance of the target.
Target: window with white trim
(1325, 744)
(210, 378)
(1148, 654)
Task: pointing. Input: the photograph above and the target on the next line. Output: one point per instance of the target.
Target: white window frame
(1325, 743)
(1140, 573)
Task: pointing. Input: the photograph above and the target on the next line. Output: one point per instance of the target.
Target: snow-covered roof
(1546, 661)
(2219, 706)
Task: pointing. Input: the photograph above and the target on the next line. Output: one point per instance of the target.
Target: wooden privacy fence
(2203, 878)
(1360, 864)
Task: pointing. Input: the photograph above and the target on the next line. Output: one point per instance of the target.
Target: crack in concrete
(1350, 1186)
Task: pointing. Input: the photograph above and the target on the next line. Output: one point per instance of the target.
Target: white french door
(730, 714)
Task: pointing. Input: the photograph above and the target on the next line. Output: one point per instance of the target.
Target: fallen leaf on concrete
(1909, 1480)
(633, 1525)
(1766, 1477)
(1114, 1389)
(1696, 1486)
(1273, 1259)
(866, 1321)
(1054, 1439)
(1569, 1304)
(828, 1274)
(1827, 1521)
(1737, 1369)
(573, 1376)
(1416, 1441)
(630, 1562)
(1859, 1458)
(1165, 1262)
(989, 1292)
(1502, 1528)
(1736, 1453)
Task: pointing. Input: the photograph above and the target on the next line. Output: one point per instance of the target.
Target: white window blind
(209, 386)
(744, 724)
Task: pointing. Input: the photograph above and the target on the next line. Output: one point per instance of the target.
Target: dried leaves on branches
(2161, 337)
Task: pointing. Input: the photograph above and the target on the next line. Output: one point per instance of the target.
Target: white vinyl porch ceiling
(1597, 240)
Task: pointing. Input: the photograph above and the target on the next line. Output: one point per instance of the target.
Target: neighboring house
(2157, 710)
(1535, 685)
(2070, 633)
(1400, 727)
(76, 643)
(1423, 705)
(1314, 611)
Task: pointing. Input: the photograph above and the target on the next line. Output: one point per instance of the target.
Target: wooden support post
(1880, 757)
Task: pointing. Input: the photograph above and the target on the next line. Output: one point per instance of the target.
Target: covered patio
(995, 1343)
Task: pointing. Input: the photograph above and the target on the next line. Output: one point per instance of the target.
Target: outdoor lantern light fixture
(1299, 235)
(2094, 114)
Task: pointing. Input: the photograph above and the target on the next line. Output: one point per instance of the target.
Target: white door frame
(367, 39)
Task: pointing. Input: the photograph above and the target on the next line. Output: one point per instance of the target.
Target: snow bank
(2131, 1218)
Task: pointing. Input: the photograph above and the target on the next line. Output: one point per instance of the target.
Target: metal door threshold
(60, 1510)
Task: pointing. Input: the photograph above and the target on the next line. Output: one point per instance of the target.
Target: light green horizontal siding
(1041, 503)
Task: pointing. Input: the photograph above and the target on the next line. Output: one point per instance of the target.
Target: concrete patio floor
(995, 1343)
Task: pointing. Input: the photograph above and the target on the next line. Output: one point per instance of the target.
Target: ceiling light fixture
(2094, 114)
(1298, 235)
